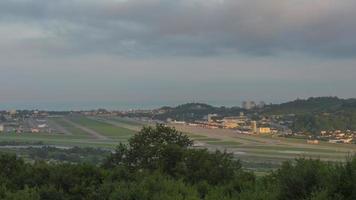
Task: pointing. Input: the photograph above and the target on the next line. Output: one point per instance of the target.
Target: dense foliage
(195, 111)
(314, 123)
(39, 151)
(311, 105)
(160, 164)
(73, 155)
(319, 113)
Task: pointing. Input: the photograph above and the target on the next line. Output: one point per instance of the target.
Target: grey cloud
(189, 27)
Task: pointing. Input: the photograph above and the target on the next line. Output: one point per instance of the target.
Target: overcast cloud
(172, 51)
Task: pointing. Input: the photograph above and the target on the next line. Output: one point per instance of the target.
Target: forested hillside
(320, 113)
(311, 115)
(195, 111)
(311, 105)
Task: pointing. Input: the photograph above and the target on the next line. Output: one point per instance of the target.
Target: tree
(146, 149)
(167, 150)
(26, 193)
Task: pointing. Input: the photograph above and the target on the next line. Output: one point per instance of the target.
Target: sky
(81, 54)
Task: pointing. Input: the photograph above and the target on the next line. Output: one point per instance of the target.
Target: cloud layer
(183, 27)
(154, 52)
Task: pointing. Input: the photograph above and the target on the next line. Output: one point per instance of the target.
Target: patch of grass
(225, 143)
(104, 128)
(208, 139)
(66, 141)
(72, 129)
(79, 137)
(127, 121)
(289, 148)
(194, 136)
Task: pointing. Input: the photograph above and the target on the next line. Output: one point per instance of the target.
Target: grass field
(103, 128)
(259, 149)
(58, 140)
(252, 150)
(77, 136)
(72, 129)
(265, 152)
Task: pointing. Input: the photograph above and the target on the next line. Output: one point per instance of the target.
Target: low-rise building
(264, 130)
(248, 105)
(233, 122)
(230, 124)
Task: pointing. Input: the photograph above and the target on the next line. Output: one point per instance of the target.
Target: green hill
(311, 105)
(318, 113)
(311, 115)
(194, 111)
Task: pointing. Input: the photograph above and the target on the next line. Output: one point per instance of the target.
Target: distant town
(250, 118)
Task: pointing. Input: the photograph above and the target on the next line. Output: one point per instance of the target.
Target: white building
(211, 116)
(248, 105)
(254, 126)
